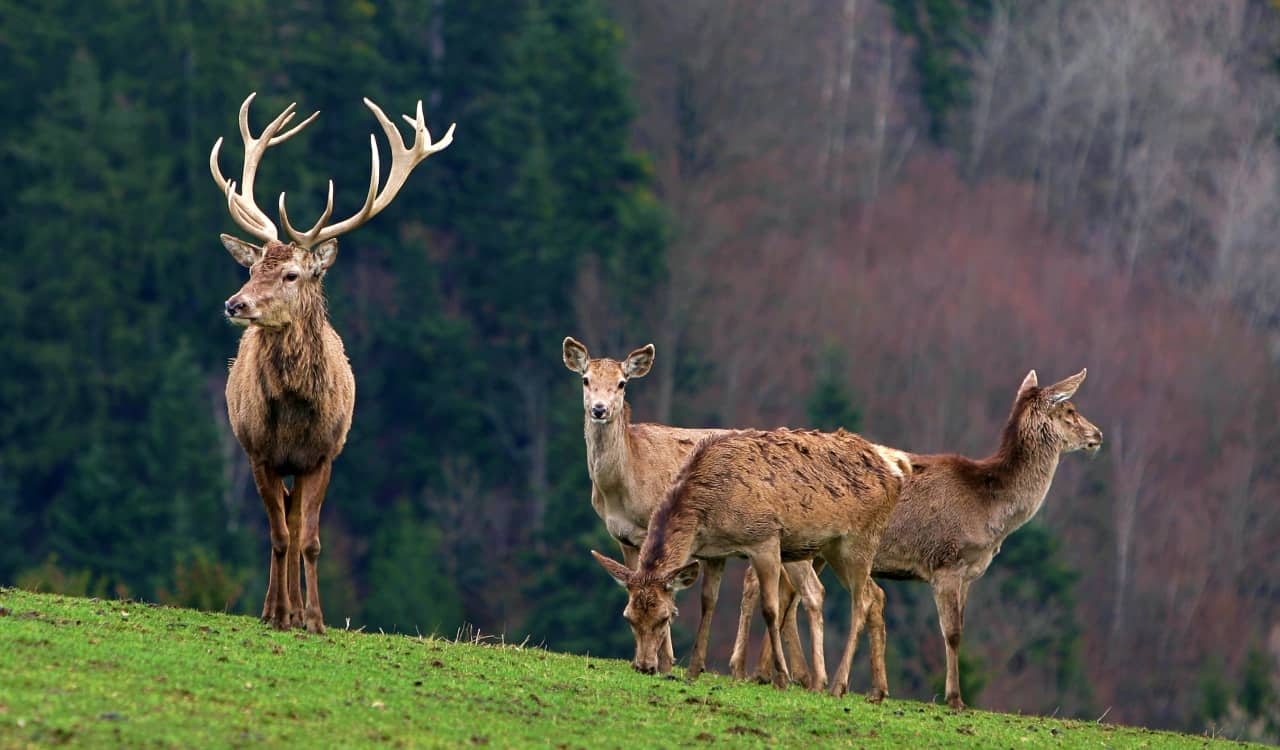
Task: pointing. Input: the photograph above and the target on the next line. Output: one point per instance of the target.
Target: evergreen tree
(410, 592)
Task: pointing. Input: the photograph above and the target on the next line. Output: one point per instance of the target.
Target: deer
(632, 465)
(773, 497)
(955, 512)
(290, 389)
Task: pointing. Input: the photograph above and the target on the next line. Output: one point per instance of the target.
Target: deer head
(651, 604)
(604, 381)
(285, 277)
(1050, 417)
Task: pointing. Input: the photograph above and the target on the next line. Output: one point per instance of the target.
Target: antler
(403, 160)
(244, 209)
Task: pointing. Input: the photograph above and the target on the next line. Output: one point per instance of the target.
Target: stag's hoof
(876, 695)
(313, 621)
(955, 703)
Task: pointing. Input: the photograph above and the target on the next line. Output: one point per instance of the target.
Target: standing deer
(290, 391)
(955, 512)
(633, 465)
(771, 497)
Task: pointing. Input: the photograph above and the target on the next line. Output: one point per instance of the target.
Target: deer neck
(1023, 469)
(672, 535)
(609, 451)
(293, 356)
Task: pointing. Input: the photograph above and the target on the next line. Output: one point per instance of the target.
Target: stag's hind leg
(309, 490)
(853, 567)
(275, 608)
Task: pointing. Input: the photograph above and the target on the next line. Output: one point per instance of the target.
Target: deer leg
(789, 601)
(809, 591)
(293, 558)
(876, 636)
(853, 570)
(275, 608)
(750, 595)
(947, 596)
(768, 564)
(310, 489)
(712, 570)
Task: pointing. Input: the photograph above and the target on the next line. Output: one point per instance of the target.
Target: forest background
(876, 214)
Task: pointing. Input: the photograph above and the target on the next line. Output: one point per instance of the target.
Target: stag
(290, 390)
(772, 497)
(955, 512)
(631, 467)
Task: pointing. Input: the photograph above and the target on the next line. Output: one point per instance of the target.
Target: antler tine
(319, 232)
(241, 204)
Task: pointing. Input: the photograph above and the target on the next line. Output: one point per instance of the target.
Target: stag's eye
(291, 276)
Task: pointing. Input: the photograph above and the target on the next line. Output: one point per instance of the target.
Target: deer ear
(1065, 389)
(1029, 382)
(637, 363)
(620, 572)
(245, 253)
(684, 577)
(325, 254)
(575, 355)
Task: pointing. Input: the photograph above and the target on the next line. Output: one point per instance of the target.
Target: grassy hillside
(90, 673)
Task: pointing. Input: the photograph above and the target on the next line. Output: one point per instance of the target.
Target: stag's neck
(609, 451)
(1022, 471)
(293, 357)
(671, 540)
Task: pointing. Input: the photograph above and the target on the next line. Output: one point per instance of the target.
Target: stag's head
(604, 381)
(651, 605)
(1049, 417)
(285, 277)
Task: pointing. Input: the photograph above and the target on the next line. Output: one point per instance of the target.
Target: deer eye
(621, 384)
(291, 276)
(586, 381)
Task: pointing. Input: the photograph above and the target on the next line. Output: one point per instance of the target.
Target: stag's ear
(684, 577)
(246, 254)
(1061, 391)
(575, 355)
(1029, 382)
(325, 254)
(637, 363)
(620, 572)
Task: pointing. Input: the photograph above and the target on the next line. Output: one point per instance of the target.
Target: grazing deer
(290, 392)
(771, 497)
(955, 512)
(631, 468)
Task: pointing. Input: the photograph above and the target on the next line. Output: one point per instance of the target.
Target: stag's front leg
(947, 597)
(712, 570)
(768, 564)
(750, 595)
(293, 558)
(310, 489)
(275, 608)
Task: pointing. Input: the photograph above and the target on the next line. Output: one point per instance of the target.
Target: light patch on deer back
(898, 461)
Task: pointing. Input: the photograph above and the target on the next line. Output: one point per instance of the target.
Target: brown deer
(955, 512)
(772, 497)
(631, 468)
(290, 391)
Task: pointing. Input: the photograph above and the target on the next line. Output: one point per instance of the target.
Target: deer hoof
(781, 680)
(955, 703)
(314, 622)
(818, 686)
(838, 690)
(876, 695)
(692, 673)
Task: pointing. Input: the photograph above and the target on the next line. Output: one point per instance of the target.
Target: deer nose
(644, 668)
(598, 411)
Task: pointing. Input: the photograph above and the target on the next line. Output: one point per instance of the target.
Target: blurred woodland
(876, 214)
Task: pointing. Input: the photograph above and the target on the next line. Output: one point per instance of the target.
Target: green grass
(90, 673)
